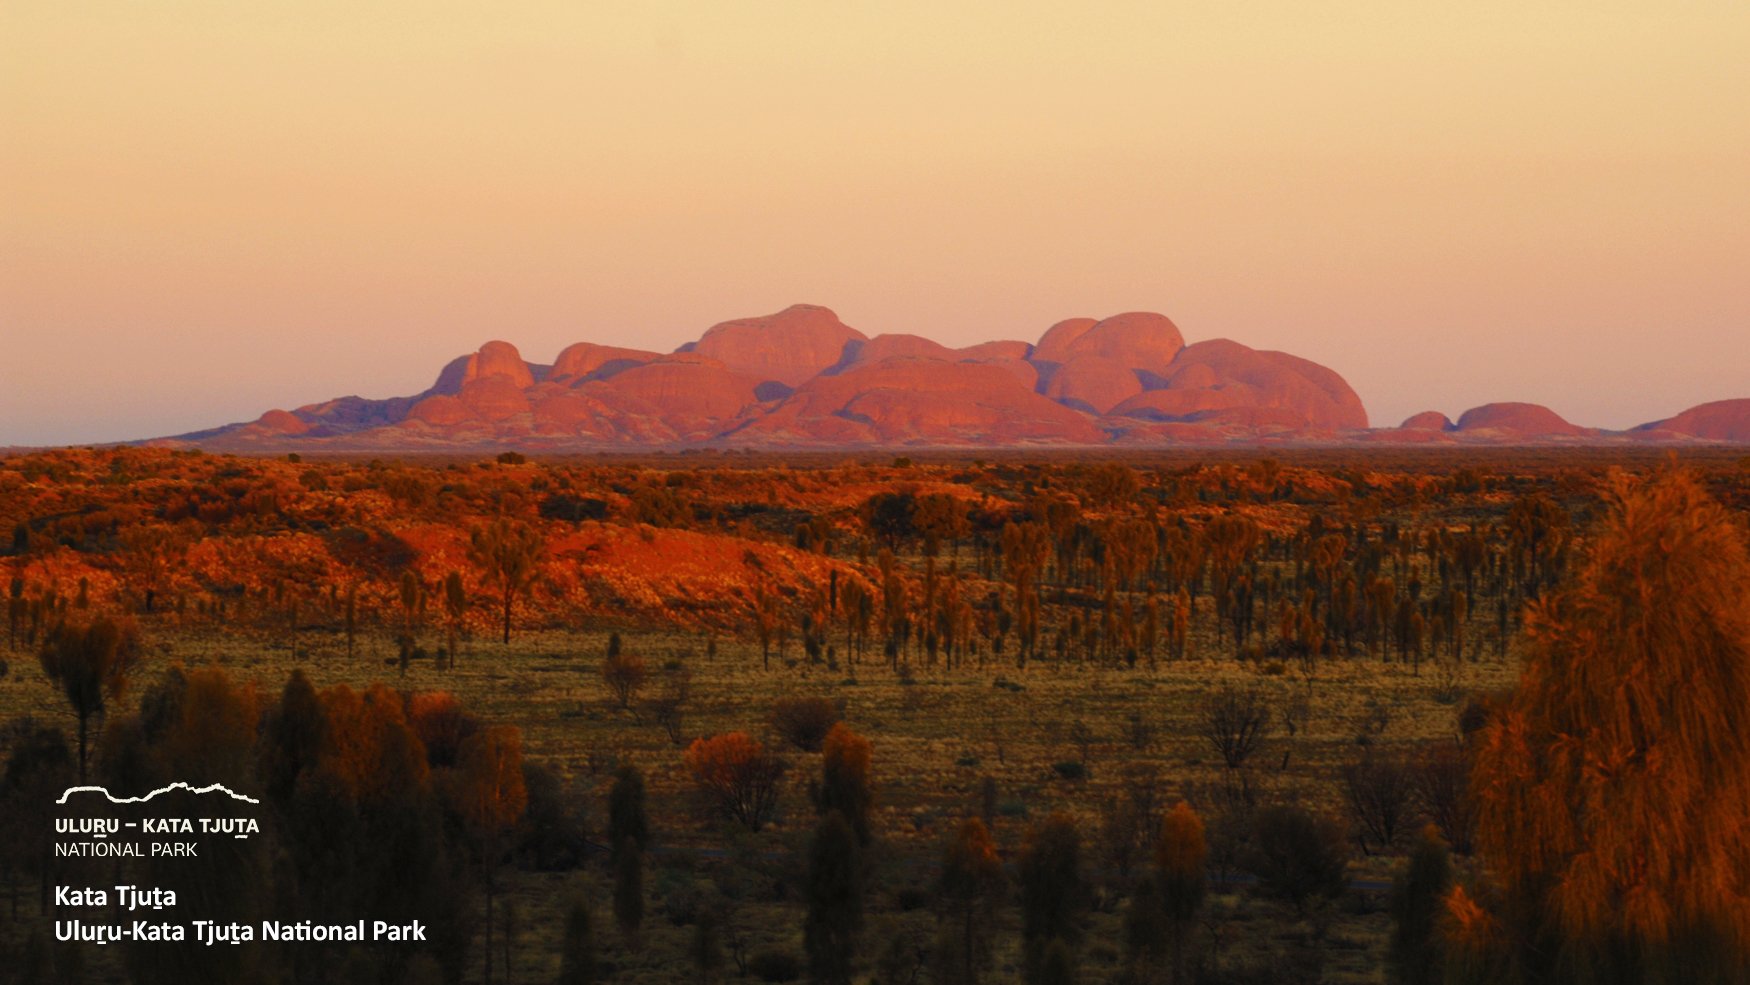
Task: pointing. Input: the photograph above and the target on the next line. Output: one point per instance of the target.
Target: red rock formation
(1138, 339)
(1054, 345)
(887, 346)
(1092, 383)
(802, 377)
(498, 359)
(1721, 420)
(1221, 374)
(918, 401)
(992, 351)
(1516, 420)
(586, 358)
(1428, 420)
(281, 422)
(789, 347)
(693, 395)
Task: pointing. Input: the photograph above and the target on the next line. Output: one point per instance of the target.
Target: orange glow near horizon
(213, 208)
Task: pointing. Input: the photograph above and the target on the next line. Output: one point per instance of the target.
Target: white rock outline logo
(178, 785)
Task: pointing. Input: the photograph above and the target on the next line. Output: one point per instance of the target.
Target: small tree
(705, 949)
(91, 664)
(804, 722)
(1440, 778)
(628, 889)
(577, 953)
(845, 780)
(1416, 907)
(490, 797)
(623, 673)
(1235, 720)
(627, 820)
(971, 883)
(508, 552)
(455, 610)
(1297, 857)
(669, 707)
(738, 775)
(1051, 894)
(1180, 856)
(1380, 794)
(834, 896)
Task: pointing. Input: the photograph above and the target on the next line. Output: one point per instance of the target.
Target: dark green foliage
(834, 896)
(38, 769)
(971, 885)
(627, 820)
(1417, 901)
(774, 966)
(1146, 931)
(1052, 893)
(577, 964)
(292, 740)
(550, 836)
(845, 783)
(1297, 857)
(629, 889)
(90, 664)
(705, 949)
(1057, 966)
(805, 722)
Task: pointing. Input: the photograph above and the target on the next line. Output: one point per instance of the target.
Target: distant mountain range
(801, 378)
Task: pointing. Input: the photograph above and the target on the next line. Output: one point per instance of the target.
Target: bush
(740, 776)
(773, 965)
(1071, 769)
(1297, 857)
(804, 722)
(1235, 720)
(1379, 791)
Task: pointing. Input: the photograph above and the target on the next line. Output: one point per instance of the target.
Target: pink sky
(208, 209)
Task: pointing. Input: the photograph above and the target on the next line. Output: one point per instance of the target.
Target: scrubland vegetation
(1344, 717)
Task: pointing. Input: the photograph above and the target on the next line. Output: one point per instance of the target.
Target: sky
(210, 208)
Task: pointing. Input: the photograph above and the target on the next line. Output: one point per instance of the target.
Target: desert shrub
(1416, 907)
(1235, 720)
(1053, 896)
(774, 965)
(576, 509)
(624, 674)
(738, 775)
(550, 835)
(1379, 791)
(1440, 781)
(1297, 857)
(846, 785)
(804, 722)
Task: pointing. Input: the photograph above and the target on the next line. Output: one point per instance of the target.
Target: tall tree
(845, 784)
(1612, 791)
(971, 881)
(455, 610)
(629, 834)
(1051, 896)
(509, 554)
(91, 664)
(577, 953)
(1416, 908)
(834, 894)
(490, 797)
(1180, 855)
